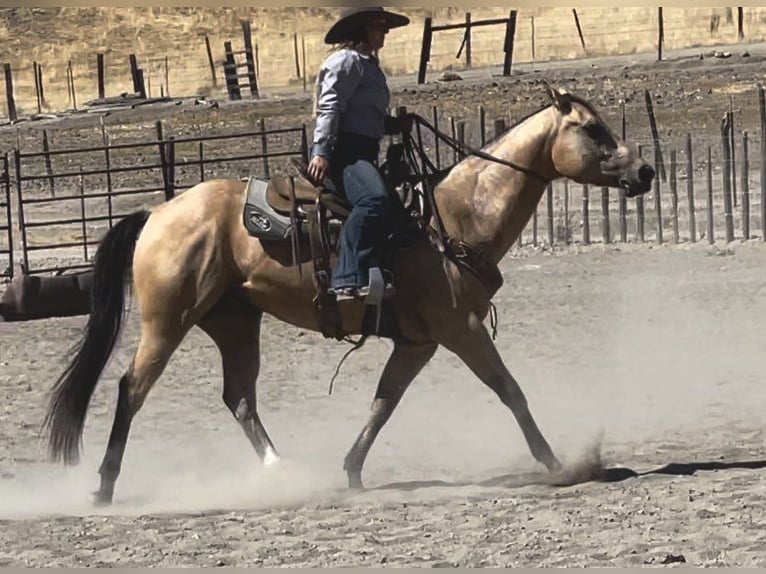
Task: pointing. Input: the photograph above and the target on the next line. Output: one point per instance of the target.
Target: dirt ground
(645, 356)
(648, 356)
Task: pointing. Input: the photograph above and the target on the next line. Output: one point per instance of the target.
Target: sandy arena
(643, 358)
(652, 351)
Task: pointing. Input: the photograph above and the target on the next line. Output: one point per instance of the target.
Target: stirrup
(372, 294)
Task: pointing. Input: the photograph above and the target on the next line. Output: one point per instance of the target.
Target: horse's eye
(593, 130)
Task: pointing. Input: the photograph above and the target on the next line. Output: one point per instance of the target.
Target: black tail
(71, 393)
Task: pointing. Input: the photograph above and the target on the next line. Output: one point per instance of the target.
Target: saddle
(291, 207)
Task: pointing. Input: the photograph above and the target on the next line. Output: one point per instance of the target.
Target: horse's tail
(72, 392)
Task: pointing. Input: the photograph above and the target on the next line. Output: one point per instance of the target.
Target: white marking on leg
(271, 458)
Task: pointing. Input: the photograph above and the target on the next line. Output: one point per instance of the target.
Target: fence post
(9, 93)
(48, 167)
(727, 203)
(100, 74)
(579, 31)
(674, 196)
(710, 222)
(762, 107)
(7, 201)
(210, 61)
(510, 34)
(482, 125)
(586, 214)
(640, 213)
(658, 201)
(745, 188)
(606, 231)
(690, 189)
(37, 87)
(659, 162)
(437, 148)
(108, 164)
(20, 207)
(549, 212)
(468, 39)
(265, 149)
(661, 34)
(740, 23)
(425, 50)
(567, 231)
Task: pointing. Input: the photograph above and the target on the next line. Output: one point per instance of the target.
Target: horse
(191, 262)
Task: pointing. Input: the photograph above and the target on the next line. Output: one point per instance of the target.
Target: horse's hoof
(355, 482)
(102, 499)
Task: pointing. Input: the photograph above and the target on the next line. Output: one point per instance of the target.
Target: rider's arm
(338, 79)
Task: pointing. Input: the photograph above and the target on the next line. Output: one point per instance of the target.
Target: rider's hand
(317, 168)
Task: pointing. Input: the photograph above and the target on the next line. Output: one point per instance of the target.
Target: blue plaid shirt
(352, 96)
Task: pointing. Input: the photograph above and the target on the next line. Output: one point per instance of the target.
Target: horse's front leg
(476, 349)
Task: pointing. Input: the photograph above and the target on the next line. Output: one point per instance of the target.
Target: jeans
(356, 178)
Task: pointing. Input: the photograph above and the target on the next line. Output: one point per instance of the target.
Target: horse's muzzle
(640, 183)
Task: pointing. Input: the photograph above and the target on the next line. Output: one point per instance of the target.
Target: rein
(465, 149)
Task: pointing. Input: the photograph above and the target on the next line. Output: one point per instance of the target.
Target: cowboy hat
(352, 18)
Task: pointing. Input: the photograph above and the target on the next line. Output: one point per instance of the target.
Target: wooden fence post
(606, 232)
(37, 87)
(762, 107)
(265, 149)
(710, 222)
(468, 39)
(210, 61)
(674, 196)
(640, 213)
(727, 203)
(549, 213)
(579, 31)
(690, 189)
(100, 74)
(586, 214)
(740, 23)
(510, 34)
(659, 162)
(661, 34)
(9, 93)
(425, 50)
(745, 188)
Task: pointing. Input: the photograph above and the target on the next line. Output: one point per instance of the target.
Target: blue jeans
(366, 226)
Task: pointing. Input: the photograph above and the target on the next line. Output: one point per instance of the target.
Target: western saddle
(317, 214)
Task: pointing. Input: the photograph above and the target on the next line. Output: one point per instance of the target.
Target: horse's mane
(576, 99)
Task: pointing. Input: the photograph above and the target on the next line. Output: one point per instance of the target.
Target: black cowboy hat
(351, 18)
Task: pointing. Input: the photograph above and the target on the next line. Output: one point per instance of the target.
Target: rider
(351, 104)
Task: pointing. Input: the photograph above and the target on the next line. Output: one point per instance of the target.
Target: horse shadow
(613, 474)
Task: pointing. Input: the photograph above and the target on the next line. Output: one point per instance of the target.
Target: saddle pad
(259, 217)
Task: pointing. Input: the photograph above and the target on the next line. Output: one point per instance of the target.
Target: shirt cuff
(323, 149)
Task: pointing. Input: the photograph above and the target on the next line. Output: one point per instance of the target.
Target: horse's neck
(487, 204)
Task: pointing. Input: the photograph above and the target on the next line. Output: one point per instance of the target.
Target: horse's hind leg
(235, 326)
(404, 364)
(151, 357)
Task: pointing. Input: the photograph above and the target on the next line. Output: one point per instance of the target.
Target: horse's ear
(559, 97)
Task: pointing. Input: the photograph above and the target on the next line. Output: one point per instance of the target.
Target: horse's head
(585, 149)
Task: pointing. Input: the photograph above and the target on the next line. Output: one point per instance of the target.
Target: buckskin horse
(193, 262)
